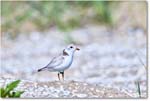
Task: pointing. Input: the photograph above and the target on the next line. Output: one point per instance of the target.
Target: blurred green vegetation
(8, 91)
(42, 15)
(28, 16)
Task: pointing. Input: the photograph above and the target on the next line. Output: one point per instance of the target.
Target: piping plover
(61, 62)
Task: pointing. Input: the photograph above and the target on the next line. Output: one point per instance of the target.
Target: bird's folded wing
(56, 61)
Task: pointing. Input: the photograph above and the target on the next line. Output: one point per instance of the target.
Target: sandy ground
(105, 59)
(66, 89)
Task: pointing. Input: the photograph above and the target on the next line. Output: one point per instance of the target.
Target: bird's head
(70, 49)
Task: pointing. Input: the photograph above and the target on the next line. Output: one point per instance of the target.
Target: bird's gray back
(56, 61)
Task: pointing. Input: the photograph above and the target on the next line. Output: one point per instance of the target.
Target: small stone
(76, 84)
(41, 89)
(61, 88)
(66, 93)
(45, 93)
(92, 89)
(69, 88)
(45, 86)
(81, 95)
(97, 90)
(85, 84)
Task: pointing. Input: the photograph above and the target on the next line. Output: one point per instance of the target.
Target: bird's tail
(41, 69)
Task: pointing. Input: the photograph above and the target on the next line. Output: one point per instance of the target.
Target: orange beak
(77, 49)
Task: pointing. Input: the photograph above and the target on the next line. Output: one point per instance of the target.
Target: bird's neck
(71, 54)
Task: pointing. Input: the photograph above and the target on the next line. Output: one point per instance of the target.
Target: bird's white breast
(66, 63)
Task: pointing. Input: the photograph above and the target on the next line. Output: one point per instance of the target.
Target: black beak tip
(77, 49)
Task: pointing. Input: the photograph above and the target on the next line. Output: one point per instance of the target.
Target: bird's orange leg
(62, 75)
(58, 77)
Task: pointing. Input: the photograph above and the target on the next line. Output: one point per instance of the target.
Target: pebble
(45, 86)
(81, 95)
(92, 89)
(98, 90)
(40, 89)
(66, 93)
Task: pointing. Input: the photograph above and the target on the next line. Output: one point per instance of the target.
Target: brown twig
(141, 61)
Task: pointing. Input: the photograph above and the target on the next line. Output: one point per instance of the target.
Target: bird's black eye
(71, 47)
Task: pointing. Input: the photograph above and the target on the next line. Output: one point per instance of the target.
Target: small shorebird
(61, 62)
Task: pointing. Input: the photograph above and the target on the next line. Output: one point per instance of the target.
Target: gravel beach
(66, 89)
(105, 59)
